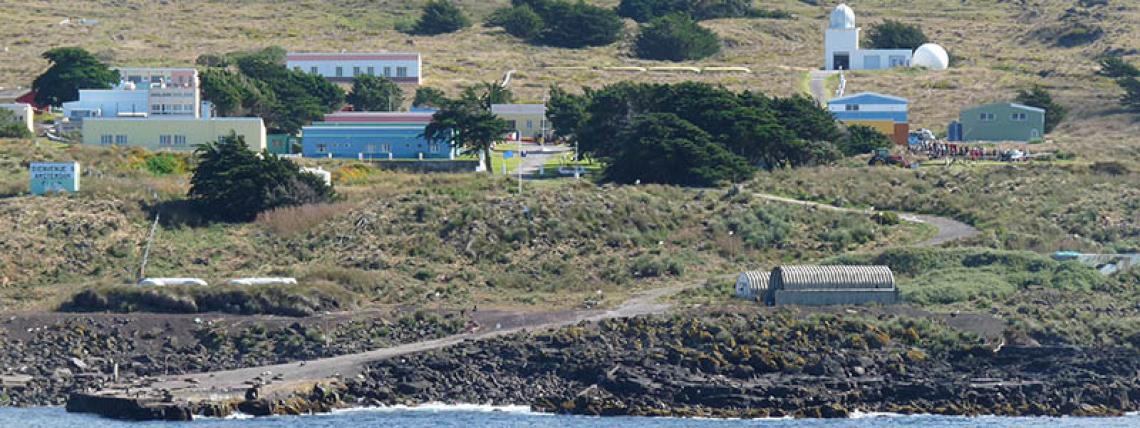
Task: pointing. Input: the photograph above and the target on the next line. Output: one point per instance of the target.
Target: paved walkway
(817, 86)
(536, 157)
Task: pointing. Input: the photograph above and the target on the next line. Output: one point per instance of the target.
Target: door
(841, 61)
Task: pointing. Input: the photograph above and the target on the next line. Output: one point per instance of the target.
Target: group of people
(939, 150)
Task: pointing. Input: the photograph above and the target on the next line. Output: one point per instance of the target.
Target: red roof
(30, 99)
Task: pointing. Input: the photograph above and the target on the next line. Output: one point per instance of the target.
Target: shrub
(862, 140)
(519, 21)
(232, 183)
(374, 93)
(1039, 97)
(165, 164)
(1116, 67)
(892, 34)
(1131, 98)
(676, 37)
(647, 10)
(429, 97)
(579, 25)
(439, 17)
(294, 301)
(287, 221)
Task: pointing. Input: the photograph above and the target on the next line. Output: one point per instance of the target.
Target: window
(512, 124)
(530, 124)
(321, 148)
(165, 141)
(387, 71)
(180, 140)
(386, 148)
(434, 147)
(986, 117)
(401, 71)
(1017, 117)
(371, 71)
(313, 70)
(340, 72)
(355, 71)
(851, 107)
(155, 108)
(121, 140)
(106, 139)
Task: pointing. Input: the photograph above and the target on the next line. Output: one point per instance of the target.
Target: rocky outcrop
(731, 365)
(80, 353)
(135, 409)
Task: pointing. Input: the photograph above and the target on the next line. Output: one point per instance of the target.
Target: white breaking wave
(443, 407)
(859, 414)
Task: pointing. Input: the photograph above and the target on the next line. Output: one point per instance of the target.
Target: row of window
(529, 124)
(372, 148)
(1016, 117)
(172, 141)
(172, 108)
(108, 139)
(358, 71)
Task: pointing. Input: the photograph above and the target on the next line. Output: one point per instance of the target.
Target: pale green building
(1002, 122)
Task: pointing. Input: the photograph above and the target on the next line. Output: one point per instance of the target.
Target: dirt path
(537, 156)
(948, 228)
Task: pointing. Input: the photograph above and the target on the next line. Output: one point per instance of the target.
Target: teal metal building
(1002, 122)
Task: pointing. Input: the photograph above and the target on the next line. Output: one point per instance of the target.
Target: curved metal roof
(832, 277)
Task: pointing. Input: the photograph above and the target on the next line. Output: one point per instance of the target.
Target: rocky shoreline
(755, 366)
(48, 357)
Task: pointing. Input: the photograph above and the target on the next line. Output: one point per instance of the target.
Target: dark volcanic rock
(731, 365)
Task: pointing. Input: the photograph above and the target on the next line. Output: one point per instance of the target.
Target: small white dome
(843, 17)
(931, 56)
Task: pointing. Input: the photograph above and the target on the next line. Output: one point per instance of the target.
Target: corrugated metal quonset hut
(753, 285)
(833, 285)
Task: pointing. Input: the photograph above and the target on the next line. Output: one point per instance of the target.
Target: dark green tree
(579, 25)
(1039, 97)
(71, 69)
(862, 140)
(300, 97)
(373, 93)
(487, 93)
(1131, 98)
(233, 183)
(439, 17)
(235, 94)
(715, 9)
(647, 10)
(663, 148)
(566, 113)
(427, 96)
(469, 127)
(892, 34)
(1116, 67)
(676, 37)
(519, 21)
(806, 119)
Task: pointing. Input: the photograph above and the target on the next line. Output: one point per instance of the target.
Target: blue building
(373, 135)
(884, 113)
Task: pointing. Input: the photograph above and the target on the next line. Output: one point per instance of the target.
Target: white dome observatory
(843, 17)
(931, 56)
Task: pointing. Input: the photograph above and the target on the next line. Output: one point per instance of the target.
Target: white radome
(843, 17)
(931, 56)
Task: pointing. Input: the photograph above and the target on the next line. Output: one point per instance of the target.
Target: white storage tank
(263, 281)
(166, 282)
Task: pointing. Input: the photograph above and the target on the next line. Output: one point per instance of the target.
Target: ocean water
(442, 416)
